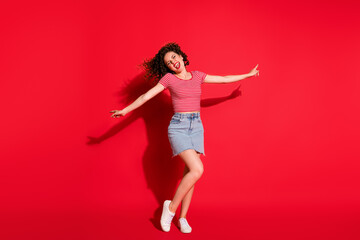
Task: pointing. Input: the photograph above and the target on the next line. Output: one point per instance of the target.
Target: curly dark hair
(155, 68)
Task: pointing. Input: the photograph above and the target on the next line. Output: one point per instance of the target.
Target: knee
(198, 172)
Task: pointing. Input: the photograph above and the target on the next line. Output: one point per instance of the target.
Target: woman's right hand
(117, 113)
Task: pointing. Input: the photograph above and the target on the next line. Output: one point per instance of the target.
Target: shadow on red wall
(162, 172)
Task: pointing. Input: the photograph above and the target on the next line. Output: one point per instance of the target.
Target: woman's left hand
(254, 71)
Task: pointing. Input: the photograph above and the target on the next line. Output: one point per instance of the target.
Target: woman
(185, 130)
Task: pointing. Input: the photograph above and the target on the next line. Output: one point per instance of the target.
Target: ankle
(171, 207)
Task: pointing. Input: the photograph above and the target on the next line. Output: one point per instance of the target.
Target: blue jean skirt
(186, 131)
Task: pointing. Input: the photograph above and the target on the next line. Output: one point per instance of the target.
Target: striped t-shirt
(185, 94)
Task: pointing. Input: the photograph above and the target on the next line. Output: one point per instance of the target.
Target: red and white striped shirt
(185, 94)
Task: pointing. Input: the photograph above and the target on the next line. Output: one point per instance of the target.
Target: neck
(182, 74)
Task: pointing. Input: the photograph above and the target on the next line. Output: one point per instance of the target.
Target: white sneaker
(184, 226)
(166, 217)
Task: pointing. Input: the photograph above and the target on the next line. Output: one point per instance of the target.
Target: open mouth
(177, 65)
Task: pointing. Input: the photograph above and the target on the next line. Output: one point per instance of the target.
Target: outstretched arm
(139, 101)
(231, 78)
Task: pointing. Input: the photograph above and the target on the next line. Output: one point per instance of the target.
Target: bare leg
(185, 204)
(196, 169)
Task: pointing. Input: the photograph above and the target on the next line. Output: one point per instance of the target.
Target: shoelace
(169, 219)
(183, 221)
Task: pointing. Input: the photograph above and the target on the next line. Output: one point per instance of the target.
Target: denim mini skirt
(186, 131)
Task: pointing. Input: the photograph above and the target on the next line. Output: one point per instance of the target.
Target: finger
(256, 66)
(112, 111)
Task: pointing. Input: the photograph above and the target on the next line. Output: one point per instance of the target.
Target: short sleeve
(165, 80)
(201, 75)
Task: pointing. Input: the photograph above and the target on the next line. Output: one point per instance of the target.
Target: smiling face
(174, 61)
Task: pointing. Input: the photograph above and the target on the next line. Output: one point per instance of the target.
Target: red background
(282, 158)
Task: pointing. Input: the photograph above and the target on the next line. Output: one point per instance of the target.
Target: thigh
(191, 159)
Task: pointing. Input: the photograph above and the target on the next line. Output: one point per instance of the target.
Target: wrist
(124, 111)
